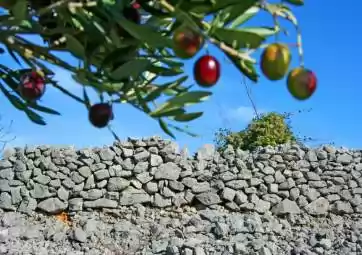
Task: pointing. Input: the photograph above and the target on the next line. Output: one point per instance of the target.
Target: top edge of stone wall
(135, 142)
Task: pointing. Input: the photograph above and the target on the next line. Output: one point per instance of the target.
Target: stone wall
(286, 179)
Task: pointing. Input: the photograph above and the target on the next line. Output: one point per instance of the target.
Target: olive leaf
(250, 38)
(184, 99)
(131, 68)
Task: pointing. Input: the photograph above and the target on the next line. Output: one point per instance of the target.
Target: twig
(248, 93)
(4, 142)
(231, 51)
(71, 6)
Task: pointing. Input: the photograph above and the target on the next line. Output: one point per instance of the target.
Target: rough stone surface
(283, 200)
(284, 180)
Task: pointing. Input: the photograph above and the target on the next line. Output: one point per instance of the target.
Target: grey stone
(319, 206)
(344, 158)
(117, 184)
(6, 201)
(141, 167)
(101, 203)
(6, 173)
(237, 184)
(208, 198)
(40, 191)
(106, 154)
(132, 196)
(228, 194)
(79, 235)
(5, 164)
(141, 156)
(161, 202)
(52, 206)
(85, 171)
(262, 206)
(101, 175)
(342, 207)
(168, 171)
(286, 207)
(155, 160)
(201, 187)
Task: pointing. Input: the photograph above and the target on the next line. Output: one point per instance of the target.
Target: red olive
(207, 71)
(32, 86)
(100, 114)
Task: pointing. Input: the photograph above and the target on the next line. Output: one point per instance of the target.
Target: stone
(85, 171)
(132, 196)
(101, 175)
(342, 207)
(228, 194)
(6, 173)
(167, 171)
(117, 184)
(240, 197)
(262, 206)
(161, 202)
(155, 160)
(286, 207)
(79, 235)
(52, 206)
(101, 203)
(320, 206)
(208, 198)
(6, 201)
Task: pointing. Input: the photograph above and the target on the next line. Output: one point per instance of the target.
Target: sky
(331, 35)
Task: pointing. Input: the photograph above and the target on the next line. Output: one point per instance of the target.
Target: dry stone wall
(153, 172)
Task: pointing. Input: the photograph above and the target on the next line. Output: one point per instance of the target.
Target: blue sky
(330, 36)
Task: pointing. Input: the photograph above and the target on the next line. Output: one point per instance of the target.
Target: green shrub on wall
(267, 129)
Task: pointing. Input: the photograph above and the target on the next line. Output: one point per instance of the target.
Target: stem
(290, 18)
(300, 48)
(231, 51)
(276, 24)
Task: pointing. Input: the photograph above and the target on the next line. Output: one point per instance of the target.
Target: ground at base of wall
(141, 230)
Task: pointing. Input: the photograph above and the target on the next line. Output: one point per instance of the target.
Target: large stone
(52, 205)
(101, 203)
(342, 207)
(7, 173)
(117, 184)
(5, 164)
(319, 206)
(208, 198)
(168, 171)
(286, 207)
(132, 196)
(5, 201)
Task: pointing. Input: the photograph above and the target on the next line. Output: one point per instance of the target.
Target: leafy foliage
(268, 129)
(120, 55)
